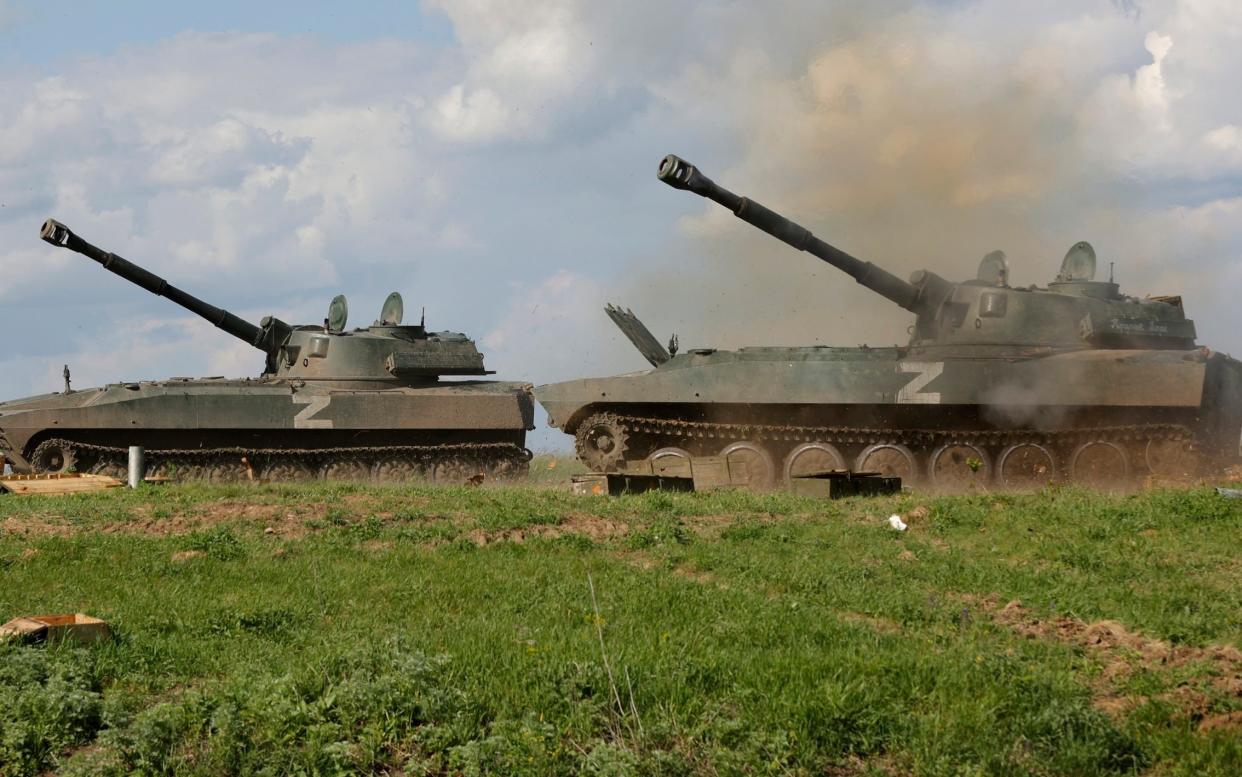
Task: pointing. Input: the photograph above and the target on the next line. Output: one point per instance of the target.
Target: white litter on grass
(895, 521)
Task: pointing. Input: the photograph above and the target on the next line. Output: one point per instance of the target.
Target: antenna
(1110, 271)
(422, 320)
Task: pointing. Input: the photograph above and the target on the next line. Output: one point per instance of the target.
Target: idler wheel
(1172, 458)
(810, 458)
(348, 469)
(1100, 463)
(959, 466)
(674, 462)
(890, 460)
(601, 442)
(1026, 465)
(54, 456)
(750, 465)
(288, 471)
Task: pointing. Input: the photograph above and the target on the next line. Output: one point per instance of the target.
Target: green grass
(342, 629)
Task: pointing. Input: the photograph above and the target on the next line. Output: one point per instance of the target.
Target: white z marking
(912, 393)
(305, 419)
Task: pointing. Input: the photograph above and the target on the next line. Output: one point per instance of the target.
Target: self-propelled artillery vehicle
(332, 403)
(1000, 385)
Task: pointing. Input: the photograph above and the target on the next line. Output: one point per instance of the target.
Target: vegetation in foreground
(342, 629)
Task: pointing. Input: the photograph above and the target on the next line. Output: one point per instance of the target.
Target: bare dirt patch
(1229, 721)
(1123, 651)
(576, 524)
(286, 520)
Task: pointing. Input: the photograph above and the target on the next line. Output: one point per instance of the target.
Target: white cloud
(524, 61)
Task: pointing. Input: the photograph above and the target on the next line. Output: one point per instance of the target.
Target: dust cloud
(913, 145)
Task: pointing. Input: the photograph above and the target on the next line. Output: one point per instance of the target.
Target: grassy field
(343, 629)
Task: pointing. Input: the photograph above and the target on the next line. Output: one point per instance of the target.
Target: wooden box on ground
(76, 627)
(57, 483)
(840, 484)
(706, 472)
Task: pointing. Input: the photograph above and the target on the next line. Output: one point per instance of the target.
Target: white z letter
(305, 418)
(912, 393)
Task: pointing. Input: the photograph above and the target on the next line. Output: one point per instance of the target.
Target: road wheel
(288, 471)
(1172, 458)
(110, 468)
(457, 471)
(347, 469)
(810, 458)
(226, 471)
(890, 460)
(959, 466)
(750, 465)
(1026, 466)
(674, 462)
(401, 469)
(1100, 463)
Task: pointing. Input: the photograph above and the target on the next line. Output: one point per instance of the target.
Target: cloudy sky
(494, 161)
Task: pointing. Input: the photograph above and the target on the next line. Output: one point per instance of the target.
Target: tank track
(450, 463)
(676, 428)
(1126, 446)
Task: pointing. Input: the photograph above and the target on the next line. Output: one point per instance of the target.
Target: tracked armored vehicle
(332, 403)
(1016, 387)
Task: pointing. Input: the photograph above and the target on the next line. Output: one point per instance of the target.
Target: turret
(384, 354)
(922, 295)
(985, 315)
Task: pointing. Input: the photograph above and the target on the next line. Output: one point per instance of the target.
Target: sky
(495, 163)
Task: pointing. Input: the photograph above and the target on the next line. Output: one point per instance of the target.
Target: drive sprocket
(601, 441)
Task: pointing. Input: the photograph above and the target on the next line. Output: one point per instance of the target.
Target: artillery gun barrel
(680, 174)
(59, 235)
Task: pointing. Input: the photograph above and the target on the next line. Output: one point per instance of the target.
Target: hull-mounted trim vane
(638, 334)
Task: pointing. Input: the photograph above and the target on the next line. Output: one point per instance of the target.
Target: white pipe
(137, 467)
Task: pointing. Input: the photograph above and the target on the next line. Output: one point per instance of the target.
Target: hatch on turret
(994, 269)
(338, 314)
(1077, 276)
(1078, 264)
(392, 312)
